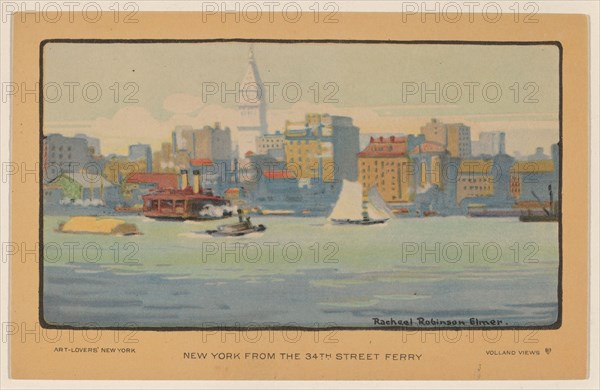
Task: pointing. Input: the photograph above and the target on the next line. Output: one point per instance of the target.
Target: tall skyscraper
(252, 107)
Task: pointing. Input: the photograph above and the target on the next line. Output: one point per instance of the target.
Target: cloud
(137, 124)
(181, 103)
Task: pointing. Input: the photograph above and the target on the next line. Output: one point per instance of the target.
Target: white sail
(376, 207)
(349, 204)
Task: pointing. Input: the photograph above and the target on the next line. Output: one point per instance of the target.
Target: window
(166, 204)
(179, 206)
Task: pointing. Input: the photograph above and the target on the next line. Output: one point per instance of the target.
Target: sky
(148, 89)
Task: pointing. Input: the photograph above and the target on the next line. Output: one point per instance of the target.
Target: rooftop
(162, 180)
(539, 166)
(385, 147)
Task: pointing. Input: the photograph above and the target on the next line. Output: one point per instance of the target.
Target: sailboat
(353, 209)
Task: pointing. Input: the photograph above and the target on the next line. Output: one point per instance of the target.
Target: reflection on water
(303, 271)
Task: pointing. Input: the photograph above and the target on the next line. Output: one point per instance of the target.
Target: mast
(365, 203)
(551, 199)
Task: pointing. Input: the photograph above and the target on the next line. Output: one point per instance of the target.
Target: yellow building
(385, 163)
(117, 169)
(475, 179)
(308, 152)
(163, 161)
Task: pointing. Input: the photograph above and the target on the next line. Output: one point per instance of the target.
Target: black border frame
(47, 325)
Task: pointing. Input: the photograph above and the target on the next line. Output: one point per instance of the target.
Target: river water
(439, 271)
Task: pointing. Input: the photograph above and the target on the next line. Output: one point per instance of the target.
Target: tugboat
(347, 210)
(186, 203)
(243, 227)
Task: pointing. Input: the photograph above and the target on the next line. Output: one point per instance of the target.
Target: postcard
(341, 196)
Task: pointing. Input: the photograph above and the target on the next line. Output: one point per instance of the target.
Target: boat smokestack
(184, 179)
(196, 174)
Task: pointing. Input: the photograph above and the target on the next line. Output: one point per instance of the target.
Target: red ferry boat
(193, 203)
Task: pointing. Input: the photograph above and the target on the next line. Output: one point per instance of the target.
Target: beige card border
(159, 353)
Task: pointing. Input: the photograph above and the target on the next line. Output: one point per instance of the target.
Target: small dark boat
(243, 227)
(365, 221)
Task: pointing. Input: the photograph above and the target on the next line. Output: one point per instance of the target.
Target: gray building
(490, 143)
(213, 143)
(64, 155)
(141, 152)
(534, 176)
(538, 155)
(346, 145)
(93, 143)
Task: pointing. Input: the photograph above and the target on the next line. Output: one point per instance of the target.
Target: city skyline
(372, 101)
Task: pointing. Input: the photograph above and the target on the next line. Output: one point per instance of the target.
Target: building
(141, 152)
(533, 177)
(428, 160)
(455, 137)
(322, 147)
(93, 143)
(182, 138)
(212, 143)
(490, 143)
(385, 163)
(117, 168)
(271, 145)
(475, 180)
(538, 155)
(252, 108)
(65, 155)
(346, 145)
(485, 182)
(308, 154)
(86, 186)
(163, 161)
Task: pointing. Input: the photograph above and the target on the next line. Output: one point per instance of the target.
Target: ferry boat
(186, 203)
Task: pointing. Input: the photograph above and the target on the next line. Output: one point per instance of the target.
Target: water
(304, 272)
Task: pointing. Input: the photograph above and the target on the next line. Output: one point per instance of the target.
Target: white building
(490, 143)
(252, 108)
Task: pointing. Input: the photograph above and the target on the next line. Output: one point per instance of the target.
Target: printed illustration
(360, 185)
